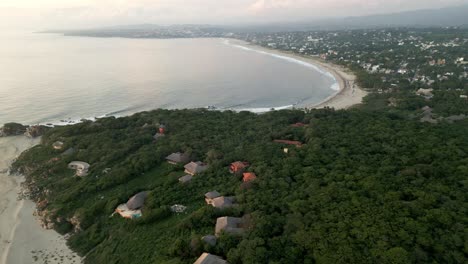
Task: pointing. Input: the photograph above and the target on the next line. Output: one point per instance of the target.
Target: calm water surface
(48, 77)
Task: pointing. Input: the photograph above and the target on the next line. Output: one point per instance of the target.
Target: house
(223, 202)
(209, 196)
(463, 96)
(230, 225)
(193, 168)
(185, 179)
(426, 93)
(132, 208)
(207, 258)
(289, 142)
(58, 145)
(238, 167)
(249, 176)
(80, 167)
(176, 158)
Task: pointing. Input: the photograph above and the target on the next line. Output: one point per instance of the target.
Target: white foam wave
(260, 110)
(335, 86)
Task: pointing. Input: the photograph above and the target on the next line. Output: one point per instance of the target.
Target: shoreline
(348, 95)
(22, 239)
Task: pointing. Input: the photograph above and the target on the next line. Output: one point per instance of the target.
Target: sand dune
(22, 240)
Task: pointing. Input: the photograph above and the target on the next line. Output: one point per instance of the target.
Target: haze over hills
(451, 16)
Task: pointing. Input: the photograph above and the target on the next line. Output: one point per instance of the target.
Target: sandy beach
(22, 240)
(348, 95)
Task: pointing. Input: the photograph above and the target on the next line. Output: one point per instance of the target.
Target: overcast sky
(40, 14)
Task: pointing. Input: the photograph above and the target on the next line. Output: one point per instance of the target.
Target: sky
(58, 14)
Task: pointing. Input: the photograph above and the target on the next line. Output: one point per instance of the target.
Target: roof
(69, 151)
(207, 258)
(239, 164)
(228, 225)
(185, 178)
(58, 144)
(223, 202)
(178, 157)
(249, 176)
(137, 201)
(288, 142)
(79, 164)
(195, 167)
(211, 195)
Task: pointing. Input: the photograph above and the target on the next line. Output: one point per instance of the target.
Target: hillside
(367, 186)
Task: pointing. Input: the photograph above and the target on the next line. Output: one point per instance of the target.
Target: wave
(335, 86)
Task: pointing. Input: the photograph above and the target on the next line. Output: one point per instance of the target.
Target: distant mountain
(451, 16)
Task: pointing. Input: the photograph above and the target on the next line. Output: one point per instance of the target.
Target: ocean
(50, 78)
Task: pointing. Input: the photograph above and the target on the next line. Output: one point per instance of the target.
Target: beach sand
(347, 96)
(22, 240)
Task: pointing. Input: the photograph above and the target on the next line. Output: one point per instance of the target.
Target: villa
(177, 158)
(238, 167)
(132, 209)
(80, 167)
(209, 196)
(193, 168)
(231, 225)
(207, 258)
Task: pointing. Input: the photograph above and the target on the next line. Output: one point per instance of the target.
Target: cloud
(95, 13)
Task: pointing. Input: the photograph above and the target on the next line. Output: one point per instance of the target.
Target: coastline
(348, 95)
(22, 239)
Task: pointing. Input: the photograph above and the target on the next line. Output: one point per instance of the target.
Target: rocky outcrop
(12, 129)
(36, 131)
(15, 129)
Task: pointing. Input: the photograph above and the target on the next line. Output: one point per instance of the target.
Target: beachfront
(22, 240)
(348, 94)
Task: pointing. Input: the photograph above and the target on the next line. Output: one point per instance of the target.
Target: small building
(207, 258)
(132, 209)
(209, 196)
(210, 240)
(289, 142)
(176, 158)
(68, 152)
(238, 167)
(426, 93)
(185, 179)
(249, 176)
(80, 167)
(193, 168)
(223, 202)
(58, 145)
(230, 225)
(178, 208)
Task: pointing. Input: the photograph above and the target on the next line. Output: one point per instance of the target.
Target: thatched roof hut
(231, 225)
(185, 179)
(137, 201)
(193, 168)
(178, 157)
(207, 258)
(223, 202)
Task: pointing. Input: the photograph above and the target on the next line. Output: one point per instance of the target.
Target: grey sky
(38, 14)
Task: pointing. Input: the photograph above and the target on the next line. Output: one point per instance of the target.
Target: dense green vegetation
(371, 185)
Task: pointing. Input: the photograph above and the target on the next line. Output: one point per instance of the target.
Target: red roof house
(298, 125)
(238, 166)
(249, 176)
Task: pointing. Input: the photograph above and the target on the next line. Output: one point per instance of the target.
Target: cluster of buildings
(419, 57)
